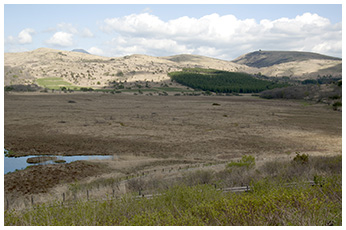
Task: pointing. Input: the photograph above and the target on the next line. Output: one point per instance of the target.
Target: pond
(12, 164)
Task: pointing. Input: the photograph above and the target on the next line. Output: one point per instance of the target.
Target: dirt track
(204, 128)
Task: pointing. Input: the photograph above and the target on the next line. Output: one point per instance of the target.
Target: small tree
(301, 159)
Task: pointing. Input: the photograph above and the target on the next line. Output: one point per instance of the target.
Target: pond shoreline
(20, 163)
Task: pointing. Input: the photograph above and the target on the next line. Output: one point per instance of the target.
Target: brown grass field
(147, 132)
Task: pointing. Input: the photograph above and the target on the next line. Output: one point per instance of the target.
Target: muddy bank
(40, 178)
(35, 160)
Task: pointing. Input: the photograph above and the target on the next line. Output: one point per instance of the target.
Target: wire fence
(114, 189)
(68, 200)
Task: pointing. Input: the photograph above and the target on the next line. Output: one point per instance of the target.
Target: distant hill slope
(259, 59)
(87, 70)
(80, 51)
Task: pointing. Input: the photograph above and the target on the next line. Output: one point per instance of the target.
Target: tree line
(222, 81)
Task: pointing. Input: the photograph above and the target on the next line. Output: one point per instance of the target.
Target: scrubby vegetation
(279, 195)
(22, 88)
(327, 93)
(222, 81)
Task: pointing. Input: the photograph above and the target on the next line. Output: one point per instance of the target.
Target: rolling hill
(80, 50)
(296, 64)
(87, 70)
(259, 59)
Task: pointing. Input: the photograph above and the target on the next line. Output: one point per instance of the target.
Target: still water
(16, 163)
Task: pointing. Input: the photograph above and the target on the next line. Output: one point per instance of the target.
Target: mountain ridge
(88, 70)
(261, 58)
(80, 50)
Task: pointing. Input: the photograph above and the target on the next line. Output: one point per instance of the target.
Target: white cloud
(67, 27)
(62, 39)
(24, 37)
(121, 46)
(10, 40)
(134, 24)
(221, 36)
(71, 29)
(86, 33)
(96, 51)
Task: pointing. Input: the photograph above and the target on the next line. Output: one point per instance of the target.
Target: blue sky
(218, 30)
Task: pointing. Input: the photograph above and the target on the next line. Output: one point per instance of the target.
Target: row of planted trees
(223, 82)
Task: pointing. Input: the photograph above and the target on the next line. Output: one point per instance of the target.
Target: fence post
(7, 204)
(32, 200)
(63, 197)
(113, 192)
(87, 194)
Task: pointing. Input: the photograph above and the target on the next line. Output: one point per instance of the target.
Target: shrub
(86, 89)
(120, 74)
(8, 88)
(301, 159)
(336, 105)
(198, 177)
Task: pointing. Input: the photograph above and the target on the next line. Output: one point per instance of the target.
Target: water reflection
(17, 163)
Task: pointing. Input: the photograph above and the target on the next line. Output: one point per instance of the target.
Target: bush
(8, 88)
(120, 73)
(336, 105)
(301, 159)
(198, 177)
(86, 89)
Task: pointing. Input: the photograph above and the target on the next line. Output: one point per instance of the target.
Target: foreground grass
(269, 203)
(278, 196)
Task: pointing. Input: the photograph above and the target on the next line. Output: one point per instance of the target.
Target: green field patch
(53, 83)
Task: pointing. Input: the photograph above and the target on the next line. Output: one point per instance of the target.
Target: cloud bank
(61, 39)
(24, 37)
(219, 36)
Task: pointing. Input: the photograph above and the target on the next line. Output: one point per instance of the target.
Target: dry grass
(154, 133)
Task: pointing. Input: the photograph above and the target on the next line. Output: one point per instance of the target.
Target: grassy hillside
(222, 81)
(53, 83)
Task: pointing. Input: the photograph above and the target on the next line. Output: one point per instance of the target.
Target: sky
(223, 31)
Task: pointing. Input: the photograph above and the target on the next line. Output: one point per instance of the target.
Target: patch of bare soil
(40, 178)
